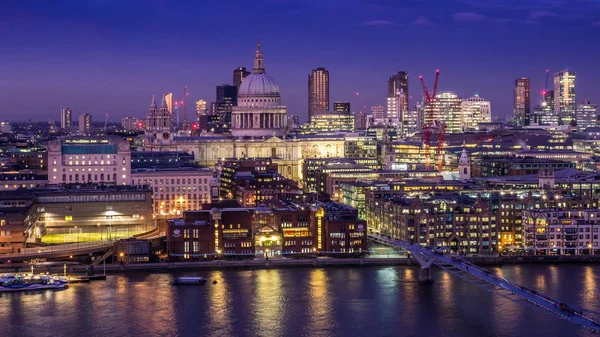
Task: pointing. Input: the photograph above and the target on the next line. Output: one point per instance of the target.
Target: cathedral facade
(259, 130)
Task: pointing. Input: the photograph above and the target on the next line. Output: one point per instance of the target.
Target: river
(357, 301)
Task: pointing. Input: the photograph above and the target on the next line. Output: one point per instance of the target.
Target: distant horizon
(86, 56)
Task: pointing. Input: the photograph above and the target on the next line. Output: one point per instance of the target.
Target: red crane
(545, 92)
(430, 123)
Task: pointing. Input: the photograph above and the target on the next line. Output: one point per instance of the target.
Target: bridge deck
(556, 307)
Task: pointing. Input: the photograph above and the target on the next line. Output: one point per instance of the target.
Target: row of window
(173, 181)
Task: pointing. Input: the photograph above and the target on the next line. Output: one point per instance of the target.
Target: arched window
(70, 177)
(114, 176)
(465, 170)
(76, 176)
(64, 178)
(89, 177)
(101, 176)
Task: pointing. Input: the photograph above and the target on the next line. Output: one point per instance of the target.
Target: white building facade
(176, 190)
(89, 160)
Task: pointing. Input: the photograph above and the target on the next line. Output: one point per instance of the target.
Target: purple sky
(109, 56)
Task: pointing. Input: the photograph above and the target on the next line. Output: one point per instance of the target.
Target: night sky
(108, 56)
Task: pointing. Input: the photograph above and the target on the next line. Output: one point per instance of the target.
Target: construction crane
(430, 123)
(545, 92)
(185, 124)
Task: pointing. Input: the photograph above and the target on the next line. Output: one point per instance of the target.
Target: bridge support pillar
(425, 275)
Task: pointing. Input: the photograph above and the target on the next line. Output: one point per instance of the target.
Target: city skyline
(98, 63)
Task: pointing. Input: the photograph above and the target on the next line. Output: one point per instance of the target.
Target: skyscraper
(522, 104)
(85, 123)
(341, 107)
(169, 100)
(318, 91)
(200, 107)
(399, 83)
(564, 96)
(66, 120)
(587, 116)
(239, 74)
(544, 114)
(226, 100)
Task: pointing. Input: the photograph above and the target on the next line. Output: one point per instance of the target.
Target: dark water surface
(365, 301)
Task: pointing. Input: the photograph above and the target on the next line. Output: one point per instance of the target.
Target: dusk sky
(108, 56)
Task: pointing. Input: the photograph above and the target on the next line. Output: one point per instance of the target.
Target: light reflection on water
(300, 302)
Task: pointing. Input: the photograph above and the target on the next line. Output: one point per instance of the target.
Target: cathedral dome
(258, 85)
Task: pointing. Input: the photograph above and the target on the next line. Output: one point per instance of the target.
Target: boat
(79, 279)
(189, 280)
(30, 283)
(97, 277)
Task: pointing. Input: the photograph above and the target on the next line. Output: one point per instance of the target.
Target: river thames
(367, 301)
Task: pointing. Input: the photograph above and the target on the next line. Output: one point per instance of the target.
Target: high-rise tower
(318, 91)
(239, 74)
(169, 100)
(522, 102)
(564, 96)
(66, 118)
(85, 123)
(399, 83)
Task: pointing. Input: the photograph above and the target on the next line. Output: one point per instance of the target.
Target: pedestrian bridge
(463, 268)
(56, 251)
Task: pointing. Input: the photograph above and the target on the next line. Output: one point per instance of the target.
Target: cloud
(378, 23)
(542, 14)
(468, 17)
(596, 23)
(422, 21)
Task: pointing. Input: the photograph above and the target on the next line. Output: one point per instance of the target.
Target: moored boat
(29, 283)
(189, 280)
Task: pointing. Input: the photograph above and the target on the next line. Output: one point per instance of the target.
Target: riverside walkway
(456, 264)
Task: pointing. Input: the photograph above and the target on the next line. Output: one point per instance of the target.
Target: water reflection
(307, 302)
(319, 320)
(219, 319)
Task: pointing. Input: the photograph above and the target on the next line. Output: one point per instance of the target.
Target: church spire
(153, 104)
(259, 66)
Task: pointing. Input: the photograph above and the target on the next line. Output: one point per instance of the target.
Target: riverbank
(58, 267)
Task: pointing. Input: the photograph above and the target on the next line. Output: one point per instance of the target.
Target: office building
(398, 85)
(175, 189)
(522, 102)
(476, 110)
(85, 123)
(544, 113)
(5, 127)
(201, 107)
(239, 74)
(447, 109)
(131, 124)
(222, 107)
(360, 121)
(89, 160)
(564, 96)
(378, 112)
(343, 107)
(169, 101)
(329, 123)
(66, 118)
(586, 116)
(318, 91)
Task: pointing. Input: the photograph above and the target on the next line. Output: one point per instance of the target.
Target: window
(186, 247)
(196, 246)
